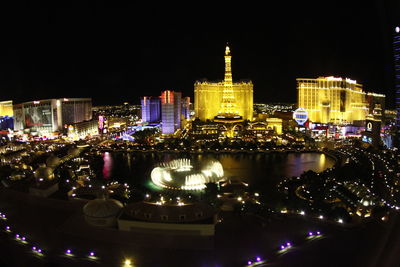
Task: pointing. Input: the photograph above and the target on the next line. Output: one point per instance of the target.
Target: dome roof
(44, 172)
(102, 208)
(53, 161)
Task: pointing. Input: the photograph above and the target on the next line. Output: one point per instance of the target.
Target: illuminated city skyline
(92, 56)
(138, 136)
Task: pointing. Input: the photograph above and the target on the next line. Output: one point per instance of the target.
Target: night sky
(118, 55)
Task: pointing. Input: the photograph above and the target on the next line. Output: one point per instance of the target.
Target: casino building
(45, 117)
(336, 100)
(225, 100)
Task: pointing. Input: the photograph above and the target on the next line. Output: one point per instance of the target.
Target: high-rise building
(336, 100)
(44, 117)
(396, 49)
(151, 109)
(170, 111)
(186, 107)
(226, 98)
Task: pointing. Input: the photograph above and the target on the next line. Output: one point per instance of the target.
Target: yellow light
(127, 262)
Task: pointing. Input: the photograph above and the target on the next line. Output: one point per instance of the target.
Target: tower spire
(228, 70)
(228, 104)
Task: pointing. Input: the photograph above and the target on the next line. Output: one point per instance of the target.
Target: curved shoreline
(223, 151)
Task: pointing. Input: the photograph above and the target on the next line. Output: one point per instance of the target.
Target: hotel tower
(336, 100)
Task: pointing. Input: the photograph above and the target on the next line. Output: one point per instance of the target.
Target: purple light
(288, 244)
(258, 259)
(318, 233)
(91, 254)
(282, 247)
(39, 250)
(7, 227)
(23, 238)
(68, 251)
(17, 235)
(310, 233)
(34, 248)
(249, 263)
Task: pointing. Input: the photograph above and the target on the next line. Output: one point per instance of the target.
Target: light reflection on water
(260, 170)
(108, 165)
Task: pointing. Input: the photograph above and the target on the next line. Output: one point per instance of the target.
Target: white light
(397, 29)
(127, 262)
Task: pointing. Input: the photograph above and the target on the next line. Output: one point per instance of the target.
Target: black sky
(118, 54)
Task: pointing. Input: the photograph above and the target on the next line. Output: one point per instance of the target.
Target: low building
(82, 129)
(205, 130)
(195, 219)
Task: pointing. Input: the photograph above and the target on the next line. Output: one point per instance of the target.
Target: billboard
(18, 119)
(300, 115)
(37, 116)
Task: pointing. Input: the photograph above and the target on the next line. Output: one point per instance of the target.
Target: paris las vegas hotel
(222, 107)
(224, 97)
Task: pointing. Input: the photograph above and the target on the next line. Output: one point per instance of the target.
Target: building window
(182, 217)
(164, 217)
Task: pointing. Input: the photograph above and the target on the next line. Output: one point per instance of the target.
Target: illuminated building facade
(170, 111)
(151, 109)
(335, 100)
(186, 108)
(216, 100)
(83, 129)
(6, 108)
(396, 48)
(51, 115)
(6, 115)
(205, 130)
(74, 110)
(262, 130)
(371, 135)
